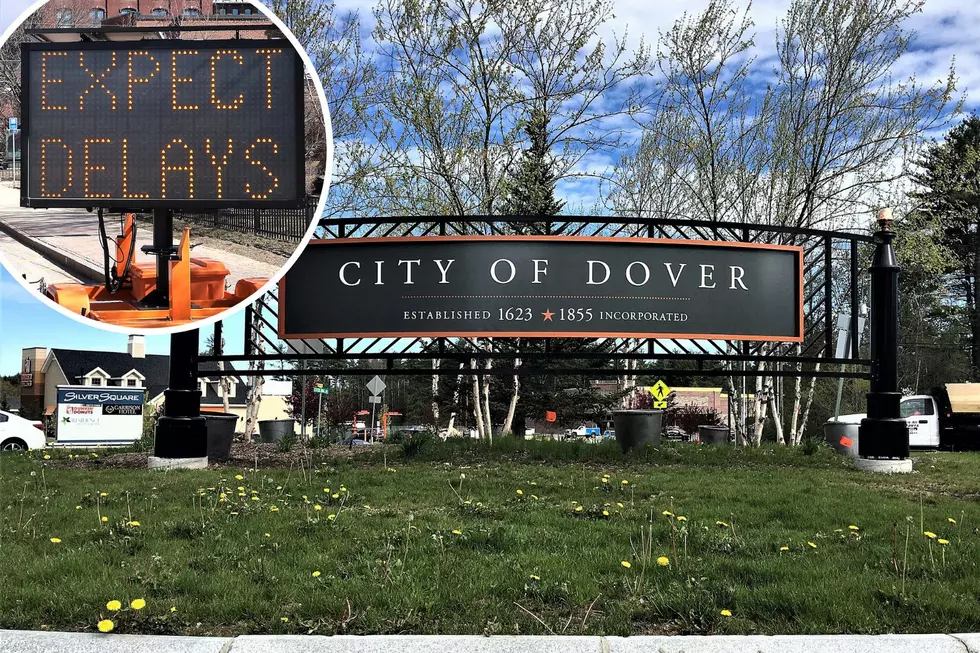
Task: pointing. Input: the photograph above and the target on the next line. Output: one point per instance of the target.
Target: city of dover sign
(543, 286)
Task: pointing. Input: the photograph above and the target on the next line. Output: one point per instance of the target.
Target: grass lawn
(524, 539)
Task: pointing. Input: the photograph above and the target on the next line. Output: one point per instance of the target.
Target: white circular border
(230, 311)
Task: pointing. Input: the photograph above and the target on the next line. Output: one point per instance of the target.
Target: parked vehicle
(609, 433)
(584, 432)
(19, 434)
(949, 418)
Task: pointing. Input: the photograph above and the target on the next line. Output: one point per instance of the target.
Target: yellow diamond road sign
(660, 404)
(660, 390)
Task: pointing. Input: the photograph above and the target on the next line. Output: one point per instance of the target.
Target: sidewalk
(74, 234)
(41, 642)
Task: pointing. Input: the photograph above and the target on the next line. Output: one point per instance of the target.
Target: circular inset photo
(163, 161)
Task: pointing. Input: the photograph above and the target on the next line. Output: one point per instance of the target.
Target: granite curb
(66, 260)
(15, 641)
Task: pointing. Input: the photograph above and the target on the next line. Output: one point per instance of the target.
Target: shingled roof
(155, 368)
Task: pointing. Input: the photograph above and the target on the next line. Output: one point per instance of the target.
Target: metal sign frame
(120, 204)
(824, 253)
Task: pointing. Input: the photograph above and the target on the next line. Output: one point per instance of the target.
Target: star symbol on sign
(547, 315)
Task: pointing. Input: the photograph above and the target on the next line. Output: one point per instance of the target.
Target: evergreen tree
(531, 189)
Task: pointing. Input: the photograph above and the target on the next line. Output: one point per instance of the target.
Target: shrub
(415, 442)
(287, 442)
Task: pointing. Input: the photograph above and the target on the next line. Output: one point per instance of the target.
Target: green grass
(390, 562)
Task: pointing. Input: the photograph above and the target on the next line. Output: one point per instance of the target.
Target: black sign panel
(543, 286)
(171, 124)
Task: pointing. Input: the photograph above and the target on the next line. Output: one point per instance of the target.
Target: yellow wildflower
(624, 482)
(318, 507)
(78, 507)
(273, 508)
(619, 505)
(285, 620)
(457, 532)
(520, 493)
(853, 527)
(812, 545)
(930, 535)
(113, 606)
(106, 626)
(133, 523)
(335, 495)
(626, 564)
(55, 540)
(47, 457)
(104, 519)
(316, 574)
(239, 477)
(722, 524)
(681, 518)
(784, 548)
(605, 513)
(331, 516)
(138, 604)
(173, 608)
(533, 577)
(726, 613)
(942, 541)
(663, 561)
(579, 508)
(667, 513)
(268, 534)
(951, 520)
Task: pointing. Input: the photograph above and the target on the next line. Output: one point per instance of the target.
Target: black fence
(279, 224)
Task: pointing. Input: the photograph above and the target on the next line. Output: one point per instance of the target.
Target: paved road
(76, 233)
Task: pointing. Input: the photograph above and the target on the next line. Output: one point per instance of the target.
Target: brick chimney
(136, 347)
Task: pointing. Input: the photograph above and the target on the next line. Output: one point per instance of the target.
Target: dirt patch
(242, 455)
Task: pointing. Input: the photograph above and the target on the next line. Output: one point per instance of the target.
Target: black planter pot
(635, 428)
(711, 434)
(273, 430)
(221, 431)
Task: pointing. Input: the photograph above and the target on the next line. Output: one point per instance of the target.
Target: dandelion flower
(579, 509)
(605, 513)
(368, 507)
(619, 505)
(663, 561)
(335, 495)
(78, 507)
(468, 502)
(114, 606)
(173, 608)
(285, 620)
(343, 489)
(318, 507)
(520, 493)
(133, 523)
(241, 488)
(278, 487)
(106, 626)
(942, 541)
(534, 496)
(626, 563)
(726, 613)
(268, 534)
(253, 498)
(853, 527)
(624, 482)
(103, 494)
(784, 548)
(722, 524)
(316, 574)
(681, 518)
(533, 483)
(930, 535)
(457, 532)
(812, 545)
(331, 516)
(55, 540)
(239, 477)
(533, 577)
(47, 457)
(273, 508)
(138, 604)
(951, 520)
(667, 513)
(104, 519)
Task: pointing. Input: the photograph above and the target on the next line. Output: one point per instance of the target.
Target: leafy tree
(531, 189)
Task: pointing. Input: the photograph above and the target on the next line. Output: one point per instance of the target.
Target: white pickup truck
(949, 418)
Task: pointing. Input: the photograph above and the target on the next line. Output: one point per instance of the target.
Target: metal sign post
(375, 386)
(319, 390)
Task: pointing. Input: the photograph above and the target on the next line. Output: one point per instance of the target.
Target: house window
(127, 11)
(159, 11)
(131, 383)
(191, 11)
(64, 18)
(95, 381)
(96, 16)
(248, 11)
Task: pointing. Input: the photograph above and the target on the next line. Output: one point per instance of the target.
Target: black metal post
(884, 434)
(163, 240)
(181, 430)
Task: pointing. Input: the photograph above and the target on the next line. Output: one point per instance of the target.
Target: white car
(19, 434)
